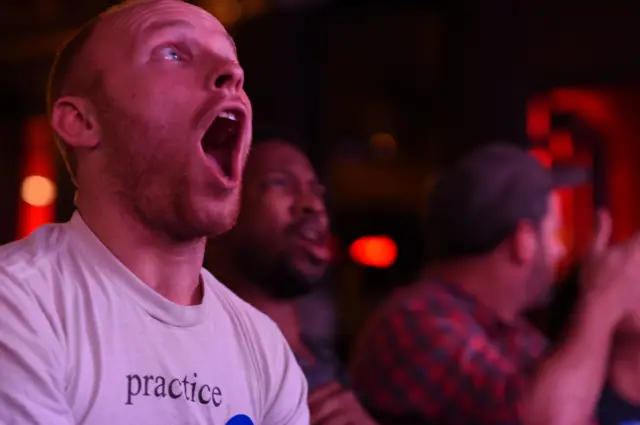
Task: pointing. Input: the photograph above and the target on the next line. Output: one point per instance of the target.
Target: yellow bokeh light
(383, 141)
(383, 146)
(38, 191)
(227, 11)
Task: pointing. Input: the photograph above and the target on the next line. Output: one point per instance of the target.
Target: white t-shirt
(83, 341)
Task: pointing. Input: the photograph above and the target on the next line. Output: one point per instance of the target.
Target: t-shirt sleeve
(31, 360)
(286, 386)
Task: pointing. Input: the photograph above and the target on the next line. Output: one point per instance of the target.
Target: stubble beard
(152, 183)
(140, 178)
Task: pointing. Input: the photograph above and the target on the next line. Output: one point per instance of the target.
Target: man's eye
(277, 182)
(171, 54)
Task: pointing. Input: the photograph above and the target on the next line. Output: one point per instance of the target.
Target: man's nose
(312, 203)
(229, 77)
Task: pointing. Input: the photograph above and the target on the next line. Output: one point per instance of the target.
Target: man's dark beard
(542, 280)
(284, 282)
(274, 274)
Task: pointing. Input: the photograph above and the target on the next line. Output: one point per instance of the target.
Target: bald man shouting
(110, 318)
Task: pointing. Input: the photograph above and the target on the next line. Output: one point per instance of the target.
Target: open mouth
(221, 141)
(313, 241)
(312, 232)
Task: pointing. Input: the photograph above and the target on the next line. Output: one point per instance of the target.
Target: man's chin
(312, 274)
(296, 282)
(289, 277)
(215, 223)
(309, 265)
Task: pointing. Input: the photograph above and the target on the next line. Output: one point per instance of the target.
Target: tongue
(221, 157)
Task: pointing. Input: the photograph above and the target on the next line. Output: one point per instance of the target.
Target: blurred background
(384, 94)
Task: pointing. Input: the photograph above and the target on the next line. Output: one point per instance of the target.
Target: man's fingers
(327, 414)
(329, 409)
(319, 395)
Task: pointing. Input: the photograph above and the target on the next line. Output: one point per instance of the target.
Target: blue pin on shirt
(240, 420)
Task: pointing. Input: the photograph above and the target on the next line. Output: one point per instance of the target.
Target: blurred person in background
(619, 400)
(277, 254)
(110, 318)
(454, 348)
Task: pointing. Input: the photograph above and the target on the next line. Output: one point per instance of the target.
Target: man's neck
(624, 371)
(171, 269)
(482, 283)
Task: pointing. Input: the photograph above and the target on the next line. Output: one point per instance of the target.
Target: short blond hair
(73, 74)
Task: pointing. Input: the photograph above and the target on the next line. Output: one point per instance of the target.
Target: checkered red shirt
(433, 355)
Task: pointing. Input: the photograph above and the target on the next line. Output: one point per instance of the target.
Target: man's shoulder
(425, 311)
(34, 257)
(430, 300)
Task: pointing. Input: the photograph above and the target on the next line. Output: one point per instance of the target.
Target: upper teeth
(228, 115)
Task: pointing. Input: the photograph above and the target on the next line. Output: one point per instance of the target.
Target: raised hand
(334, 405)
(611, 274)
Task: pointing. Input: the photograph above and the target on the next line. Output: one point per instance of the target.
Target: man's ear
(74, 120)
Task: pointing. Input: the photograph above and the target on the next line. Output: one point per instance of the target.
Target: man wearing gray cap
(454, 348)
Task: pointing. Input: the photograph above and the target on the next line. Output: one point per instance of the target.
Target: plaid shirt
(433, 355)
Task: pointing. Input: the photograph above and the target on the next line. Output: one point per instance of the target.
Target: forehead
(141, 19)
(277, 155)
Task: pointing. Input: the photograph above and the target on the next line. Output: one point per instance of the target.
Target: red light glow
(39, 166)
(374, 251)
